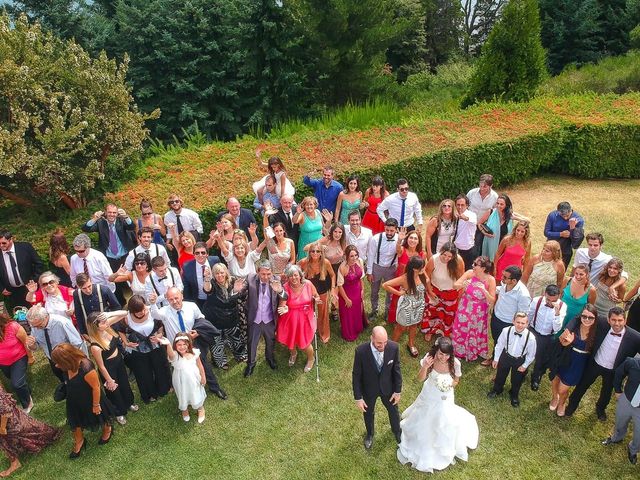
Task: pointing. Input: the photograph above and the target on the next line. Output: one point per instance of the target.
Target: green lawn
(282, 424)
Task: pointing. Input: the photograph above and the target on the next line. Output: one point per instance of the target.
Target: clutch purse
(485, 229)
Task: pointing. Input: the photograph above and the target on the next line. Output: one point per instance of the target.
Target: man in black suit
(242, 216)
(20, 263)
(614, 342)
(116, 237)
(262, 315)
(285, 216)
(193, 273)
(628, 407)
(376, 373)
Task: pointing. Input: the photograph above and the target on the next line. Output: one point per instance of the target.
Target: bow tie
(517, 334)
(162, 279)
(389, 239)
(616, 334)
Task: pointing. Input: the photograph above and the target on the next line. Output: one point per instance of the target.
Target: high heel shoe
(309, 366)
(75, 454)
(103, 441)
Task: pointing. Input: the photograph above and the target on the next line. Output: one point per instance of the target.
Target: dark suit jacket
(246, 219)
(253, 289)
(630, 368)
(125, 233)
(629, 346)
(190, 279)
(367, 382)
(292, 233)
(27, 261)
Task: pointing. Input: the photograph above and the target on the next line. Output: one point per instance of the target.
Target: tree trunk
(16, 198)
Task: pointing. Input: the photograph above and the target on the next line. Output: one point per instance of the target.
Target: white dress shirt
(516, 344)
(99, 269)
(480, 206)
(465, 235)
(15, 282)
(387, 256)
(546, 322)
(608, 351)
(509, 303)
(60, 330)
(160, 287)
(188, 219)
(154, 251)
(393, 203)
(169, 318)
(361, 241)
(596, 266)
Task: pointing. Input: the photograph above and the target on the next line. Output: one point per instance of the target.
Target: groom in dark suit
(376, 373)
(19, 264)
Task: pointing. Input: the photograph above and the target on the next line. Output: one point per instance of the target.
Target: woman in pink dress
(372, 198)
(351, 288)
(409, 245)
(514, 249)
(297, 323)
(470, 327)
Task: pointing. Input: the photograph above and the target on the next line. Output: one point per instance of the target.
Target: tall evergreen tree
(407, 55)
(615, 25)
(444, 21)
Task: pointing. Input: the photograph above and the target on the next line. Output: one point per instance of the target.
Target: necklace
(447, 224)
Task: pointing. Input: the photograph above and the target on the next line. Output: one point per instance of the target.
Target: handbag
(485, 229)
(60, 392)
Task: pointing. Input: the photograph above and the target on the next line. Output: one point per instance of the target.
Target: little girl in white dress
(283, 185)
(188, 375)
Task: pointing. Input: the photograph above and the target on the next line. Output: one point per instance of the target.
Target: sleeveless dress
(440, 236)
(80, 401)
(490, 245)
(137, 287)
(436, 431)
(512, 255)
(310, 231)
(542, 275)
(297, 326)
(186, 381)
(322, 287)
(335, 255)
(62, 274)
(574, 305)
(572, 373)
(352, 320)
(121, 397)
(411, 307)
(403, 259)
(279, 258)
(347, 208)
(603, 304)
(438, 319)
(157, 236)
(371, 220)
(470, 327)
(184, 257)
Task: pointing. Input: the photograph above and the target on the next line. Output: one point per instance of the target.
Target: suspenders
(535, 315)
(524, 347)
(378, 253)
(84, 312)
(153, 284)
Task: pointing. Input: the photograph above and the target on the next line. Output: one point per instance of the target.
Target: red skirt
(438, 319)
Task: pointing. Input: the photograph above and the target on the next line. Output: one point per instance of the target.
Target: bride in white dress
(435, 431)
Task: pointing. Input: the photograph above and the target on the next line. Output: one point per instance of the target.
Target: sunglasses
(140, 262)
(404, 189)
(447, 206)
(50, 282)
(147, 214)
(199, 253)
(171, 202)
(587, 317)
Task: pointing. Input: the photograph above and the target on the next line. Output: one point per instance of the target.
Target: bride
(434, 429)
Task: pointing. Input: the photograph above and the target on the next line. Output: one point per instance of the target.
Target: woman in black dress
(87, 405)
(107, 352)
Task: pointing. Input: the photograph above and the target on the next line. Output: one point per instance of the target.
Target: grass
(283, 425)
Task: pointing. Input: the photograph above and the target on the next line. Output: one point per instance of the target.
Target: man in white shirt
(180, 316)
(161, 279)
(466, 231)
(90, 261)
(481, 201)
(358, 235)
(403, 205)
(512, 297)
(382, 261)
(546, 315)
(182, 218)
(515, 351)
(152, 250)
(596, 260)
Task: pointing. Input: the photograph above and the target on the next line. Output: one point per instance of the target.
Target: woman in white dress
(434, 429)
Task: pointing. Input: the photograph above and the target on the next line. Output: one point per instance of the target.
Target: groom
(376, 373)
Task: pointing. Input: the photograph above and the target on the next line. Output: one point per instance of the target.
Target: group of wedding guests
(309, 267)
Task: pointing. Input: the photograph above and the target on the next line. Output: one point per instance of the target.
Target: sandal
(413, 351)
(292, 360)
(486, 362)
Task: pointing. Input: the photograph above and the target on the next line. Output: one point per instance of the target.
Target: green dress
(347, 208)
(310, 231)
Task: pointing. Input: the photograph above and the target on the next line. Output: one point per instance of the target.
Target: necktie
(86, 267)
(203, 267)
(113, 241)
(181, 321)
(635, 401)
(616, 334)
(288, 217)
(179, 224)
(14, 269)
(147, 254)
(404, 202)
(379, 360)
(263, 289)
(591, 263)
(47, 339)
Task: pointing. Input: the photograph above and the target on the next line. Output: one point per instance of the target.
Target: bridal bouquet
(444, 383)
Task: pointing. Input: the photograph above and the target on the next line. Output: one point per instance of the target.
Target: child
(188, 375)
(276, 168)
(270, 201)
(515, 351)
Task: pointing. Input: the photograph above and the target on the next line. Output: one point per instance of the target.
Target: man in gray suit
(264, 294)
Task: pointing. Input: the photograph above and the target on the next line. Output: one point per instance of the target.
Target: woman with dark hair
(577, 291)
(410, 288)
(435, 431)
(572, 353)
(632, 304)
(87, 404)
(470, 331)
(334, 244)
(20, 433)
(152, 220)
(137, 278)
(441, 228)
(610, 274)
(409, 245)
(147, 358)
(59, 257)
(15, 357)
(375, 194)
(351, 293)
(348, 200)
(280, 248)
(499, 225)
(443, 269)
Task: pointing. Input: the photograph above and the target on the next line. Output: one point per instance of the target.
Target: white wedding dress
(435, 431)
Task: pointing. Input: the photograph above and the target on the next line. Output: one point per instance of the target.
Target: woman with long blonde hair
(514, 249)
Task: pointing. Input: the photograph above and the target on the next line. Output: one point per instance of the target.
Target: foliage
(479, 18)
(443, 29)
(512, 64)
(611, 75)
(634, 37)
(614, 21)
(407, 55)
(67, 120)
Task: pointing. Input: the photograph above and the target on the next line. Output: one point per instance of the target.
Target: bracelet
(96, 404)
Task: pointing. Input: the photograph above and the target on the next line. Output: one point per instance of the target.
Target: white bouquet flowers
(444, 383)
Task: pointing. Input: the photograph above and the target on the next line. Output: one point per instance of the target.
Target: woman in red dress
(297, 323)
(514, 249)
(372, 198)
(409, 245)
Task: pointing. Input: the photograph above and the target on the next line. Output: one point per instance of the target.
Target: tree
(67, 120)
(615, 24)
(407, 55)
(479, 18)
(443, 29)
(65, 18)
(512, 63)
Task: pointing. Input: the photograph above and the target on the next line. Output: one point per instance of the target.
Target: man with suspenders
(515, 351)
(382, 261)
(546, 315)
(161, 279)
(89, 298)
(152, 250)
